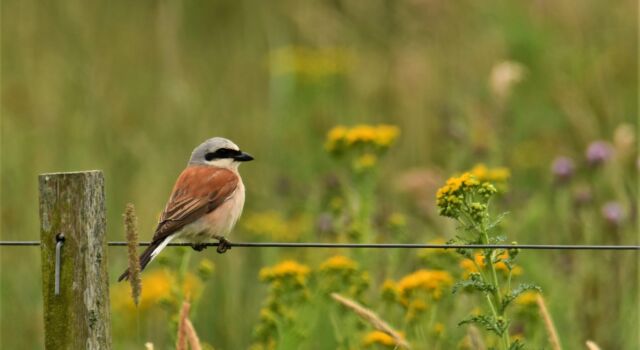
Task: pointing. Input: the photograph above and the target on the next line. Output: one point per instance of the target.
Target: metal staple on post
(59, 243)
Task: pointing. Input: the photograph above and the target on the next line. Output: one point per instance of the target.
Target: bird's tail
(151, 252)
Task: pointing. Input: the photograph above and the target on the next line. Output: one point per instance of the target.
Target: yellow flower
(469, 266)
(397, 220)
(338, 263)
(335, 136)
(205, 268)
(287, 268)
(310, 63)
(337, 133)
(192, 286)
(389, 290)
(336, 203)
(156, 287)
(438, 328)
(341, 275)
(415, 309)
(380, 136)
(449, 197)
(496, 175)
(361, 133)
(386, 135)
(527, 298)
(430, 281)
(379, 338)
(365, 161)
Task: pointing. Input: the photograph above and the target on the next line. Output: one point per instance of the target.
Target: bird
(206, 200)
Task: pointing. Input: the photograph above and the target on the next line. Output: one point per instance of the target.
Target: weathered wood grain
(73, 204)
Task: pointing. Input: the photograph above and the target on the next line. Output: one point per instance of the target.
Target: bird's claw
(198, 247)
(223, 245)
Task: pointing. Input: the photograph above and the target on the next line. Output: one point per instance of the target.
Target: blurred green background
(132, 87)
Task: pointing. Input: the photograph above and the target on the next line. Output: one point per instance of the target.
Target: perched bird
(206, 200)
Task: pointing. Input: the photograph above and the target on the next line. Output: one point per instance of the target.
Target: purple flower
(613, 212)
(562, 168)
(599, 152)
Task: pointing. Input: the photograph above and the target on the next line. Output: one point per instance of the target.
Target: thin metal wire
(373, 245)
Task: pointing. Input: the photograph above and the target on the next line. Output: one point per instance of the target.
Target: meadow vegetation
(381, 121)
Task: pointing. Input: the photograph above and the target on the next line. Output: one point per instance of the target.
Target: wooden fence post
(78, 317)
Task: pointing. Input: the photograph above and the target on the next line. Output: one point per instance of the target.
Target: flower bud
(562, 168)
(513, 252)
(205, 268)
(613, 213)
(599, 152)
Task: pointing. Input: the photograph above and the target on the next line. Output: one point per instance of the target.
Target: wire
(372, 245)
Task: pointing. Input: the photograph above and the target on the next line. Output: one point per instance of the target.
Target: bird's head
(219, 152)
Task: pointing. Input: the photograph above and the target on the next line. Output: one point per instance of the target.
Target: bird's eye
(221, 153)
(209, 156)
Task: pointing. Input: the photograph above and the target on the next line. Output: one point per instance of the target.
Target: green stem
(493, 308)
(497, 294)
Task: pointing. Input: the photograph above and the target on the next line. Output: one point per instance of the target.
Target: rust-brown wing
(198, 190)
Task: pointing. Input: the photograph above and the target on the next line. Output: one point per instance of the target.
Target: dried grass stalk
(131, 231)
(192, 336)
(475, 338)
(181, 344)
(372, 318)
(548, 323)
(592, 345)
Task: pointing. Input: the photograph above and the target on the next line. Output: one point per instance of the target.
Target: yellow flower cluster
(365, 161)
(397, 220)
(287, 268)
(495, 175)
(205, 269)
(431, 281)
(438, 328)
(274, 226)
(381, 137)
(527, 298)
(456, 184)
(342, 275)
(469, 266)
(464, 193)
(450, 197)
(310, 63)
(378, 338)
(338, 262)
(389, 290)
(287, 291)
(156, 287)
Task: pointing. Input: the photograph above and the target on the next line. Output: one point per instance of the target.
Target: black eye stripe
(221, 153)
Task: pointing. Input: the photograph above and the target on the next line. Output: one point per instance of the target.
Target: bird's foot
(198, 247)
(223, 245)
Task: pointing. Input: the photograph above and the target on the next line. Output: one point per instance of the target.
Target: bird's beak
(243, 157)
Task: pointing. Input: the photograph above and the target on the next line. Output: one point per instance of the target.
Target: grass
(132, 88)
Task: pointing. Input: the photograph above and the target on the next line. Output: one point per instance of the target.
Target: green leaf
(516, 345)
(517, 291)
(488, 322)
(497, 221)
(467, 253)
(474, 283)
(497, 239)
